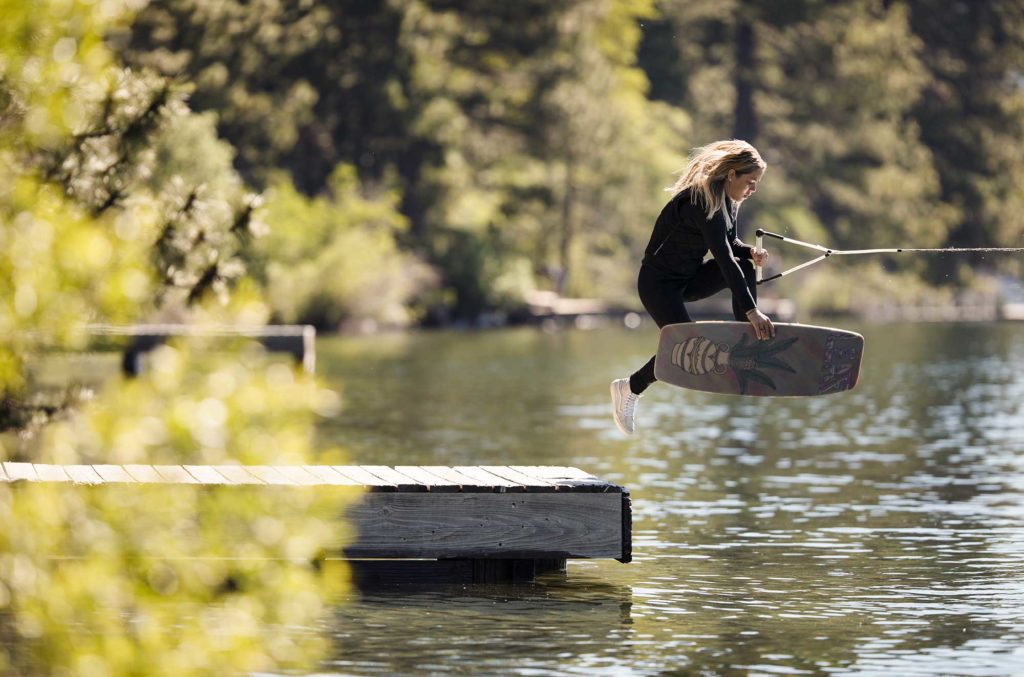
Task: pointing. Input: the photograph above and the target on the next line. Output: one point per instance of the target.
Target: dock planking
(501, 522)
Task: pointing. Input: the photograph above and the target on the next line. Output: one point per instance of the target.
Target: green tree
(971, 113)
(844, 128)
(101, 219)
(308, 88)
(519, 135)
(614, 149)
(828, 93)
(332, 260)
(86, 200)
(61, 263)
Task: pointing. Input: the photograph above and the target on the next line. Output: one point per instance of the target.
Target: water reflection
(485, 629)
(880, 530)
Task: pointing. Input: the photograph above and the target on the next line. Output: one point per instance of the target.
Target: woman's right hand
(763, 327)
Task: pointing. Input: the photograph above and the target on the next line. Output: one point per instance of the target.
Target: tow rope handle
(761, 232)
(826, 252)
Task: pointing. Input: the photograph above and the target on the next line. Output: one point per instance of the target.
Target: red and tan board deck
(726, 357)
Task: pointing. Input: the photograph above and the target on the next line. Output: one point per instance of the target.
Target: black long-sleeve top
(683, 235)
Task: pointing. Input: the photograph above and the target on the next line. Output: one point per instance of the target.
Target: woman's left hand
(763, 327)
(760, 256)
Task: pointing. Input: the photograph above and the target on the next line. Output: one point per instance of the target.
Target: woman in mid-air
(700, 216)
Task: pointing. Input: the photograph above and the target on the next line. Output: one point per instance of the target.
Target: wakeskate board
(727, 357)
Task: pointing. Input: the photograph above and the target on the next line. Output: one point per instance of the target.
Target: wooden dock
(298, 340)
(425, 524)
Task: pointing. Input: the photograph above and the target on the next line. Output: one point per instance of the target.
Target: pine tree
(971, 113)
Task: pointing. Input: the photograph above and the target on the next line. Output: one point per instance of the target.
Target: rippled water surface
(875, 531)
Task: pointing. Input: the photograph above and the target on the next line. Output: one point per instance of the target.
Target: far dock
(298, 340)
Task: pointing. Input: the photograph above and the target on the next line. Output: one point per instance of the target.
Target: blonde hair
(708, 168)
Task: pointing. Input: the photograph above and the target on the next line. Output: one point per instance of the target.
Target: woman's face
(741, 186)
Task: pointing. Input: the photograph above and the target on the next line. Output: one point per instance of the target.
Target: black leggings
(665, 300)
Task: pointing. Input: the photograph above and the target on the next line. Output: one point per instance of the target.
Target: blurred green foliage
(100, 221)
(173, 579)
(119, 204)
(60, 264)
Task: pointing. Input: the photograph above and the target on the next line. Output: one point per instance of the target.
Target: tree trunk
(565, 241)
(745, 122)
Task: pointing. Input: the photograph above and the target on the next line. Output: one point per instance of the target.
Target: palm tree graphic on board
(699, 355)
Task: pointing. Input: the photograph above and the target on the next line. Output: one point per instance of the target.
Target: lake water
(879, 531)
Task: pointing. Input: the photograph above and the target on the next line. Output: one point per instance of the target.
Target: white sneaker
(623, 405)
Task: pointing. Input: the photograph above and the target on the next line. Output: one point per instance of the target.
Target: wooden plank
(205, 474)
(175, 474)
(365, 478)
(144, 473)
(328, 475)
(83, 474)
(565, 478)
(489, 480)
(20, 471)
(487, 525)
(464, 482)
(531, 483)
(237, 474)
(51, 473)
(297, 474)
(432, 481)
(269, 474)
(555, 472)
(627, 527)
(113, 473)
(401, 481)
